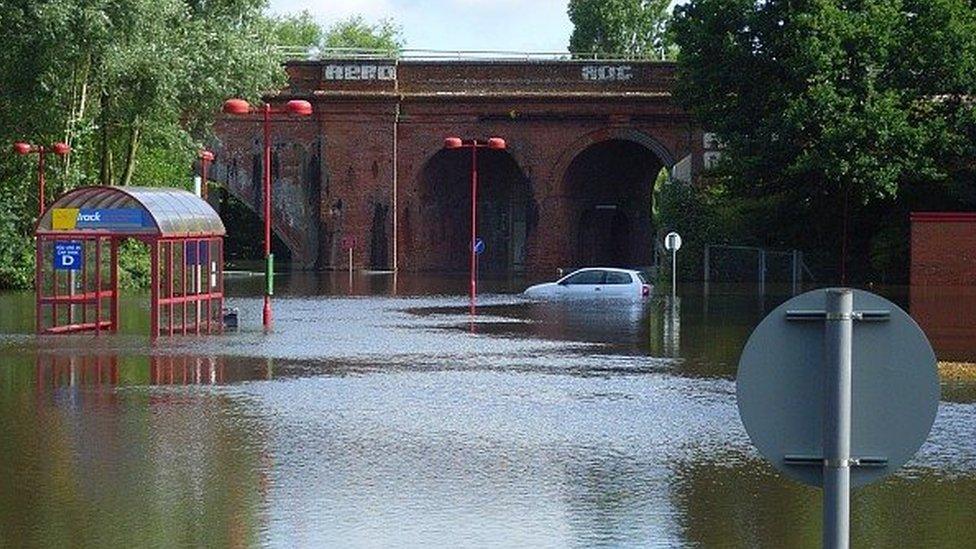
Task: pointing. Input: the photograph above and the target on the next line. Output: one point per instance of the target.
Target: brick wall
(377, 124)
(943, 249)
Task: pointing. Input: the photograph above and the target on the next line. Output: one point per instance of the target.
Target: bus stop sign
(68, 256)
(894, 388)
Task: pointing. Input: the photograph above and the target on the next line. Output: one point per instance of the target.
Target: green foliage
(301, 31)
(355, 32)
(701, 215)
(636, 28)
(833, 113)
(133, 86)
(297, 31)
(135, 265)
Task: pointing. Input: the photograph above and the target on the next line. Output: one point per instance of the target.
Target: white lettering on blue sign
(118, 218)
(360, 72)
(608, 73)
(68, 256)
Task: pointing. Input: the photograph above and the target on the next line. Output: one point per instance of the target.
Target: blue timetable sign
(69, 256)
(195, 258)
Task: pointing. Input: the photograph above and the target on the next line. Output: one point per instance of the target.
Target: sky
(516, 25)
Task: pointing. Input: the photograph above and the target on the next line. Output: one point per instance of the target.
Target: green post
(269, 275)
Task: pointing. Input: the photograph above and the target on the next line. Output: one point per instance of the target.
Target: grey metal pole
(837, 419)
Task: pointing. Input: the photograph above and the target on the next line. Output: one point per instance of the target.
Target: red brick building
(586, 141)
(943, 277)
(943, 249)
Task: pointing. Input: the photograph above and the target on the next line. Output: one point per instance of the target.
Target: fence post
(794, 275)
(762, 271)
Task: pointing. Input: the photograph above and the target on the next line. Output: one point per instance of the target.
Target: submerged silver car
(595, 282)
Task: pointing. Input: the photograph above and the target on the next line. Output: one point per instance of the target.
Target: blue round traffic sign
(479, 246)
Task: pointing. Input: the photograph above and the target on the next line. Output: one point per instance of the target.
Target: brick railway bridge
(586, 141)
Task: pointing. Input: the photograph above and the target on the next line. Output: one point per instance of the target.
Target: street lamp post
(206, 157)
(494, 143)
(24, 149)
(240, 107)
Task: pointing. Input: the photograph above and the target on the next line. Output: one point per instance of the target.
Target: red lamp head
(206, 155)
(236, 106)
(299, 107)
(22, 148)
(453, 143)
(60, 149)
(496, 143)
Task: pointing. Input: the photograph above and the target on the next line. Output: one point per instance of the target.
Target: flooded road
(372, 419)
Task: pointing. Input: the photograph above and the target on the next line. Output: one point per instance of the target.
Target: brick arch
(607, 134)
(238, 182)
(422, 230)
(513, 148)
(592, 235)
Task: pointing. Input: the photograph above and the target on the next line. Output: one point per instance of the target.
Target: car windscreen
(585, 277)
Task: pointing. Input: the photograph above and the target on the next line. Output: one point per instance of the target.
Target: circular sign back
(672, 242)
(894, 399)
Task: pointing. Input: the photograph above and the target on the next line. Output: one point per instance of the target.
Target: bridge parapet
(475, 77)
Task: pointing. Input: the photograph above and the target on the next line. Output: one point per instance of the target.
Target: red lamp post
(494, 143)
(24, 149)
(206, 157)
(240, 107)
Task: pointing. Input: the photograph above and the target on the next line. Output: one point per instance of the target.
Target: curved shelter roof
(131, 211)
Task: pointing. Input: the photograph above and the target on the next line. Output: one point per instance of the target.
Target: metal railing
(794, 257)
(314, 54)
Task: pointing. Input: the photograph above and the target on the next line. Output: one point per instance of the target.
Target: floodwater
(374, 417)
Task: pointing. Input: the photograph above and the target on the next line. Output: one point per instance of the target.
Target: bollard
(837, 418)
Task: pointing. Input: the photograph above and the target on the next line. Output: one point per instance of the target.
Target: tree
(835, 114)
(132, 85)
(355, 32)
(634, 28)
(302, 32)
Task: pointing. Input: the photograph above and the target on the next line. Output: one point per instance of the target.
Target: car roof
(616, 269)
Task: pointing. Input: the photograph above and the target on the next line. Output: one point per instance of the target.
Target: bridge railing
(314, 54)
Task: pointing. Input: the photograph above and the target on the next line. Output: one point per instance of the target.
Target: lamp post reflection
(672, 327)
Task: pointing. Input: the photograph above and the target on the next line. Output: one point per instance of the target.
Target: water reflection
(730, 501)
(93, 457)
(385, 421)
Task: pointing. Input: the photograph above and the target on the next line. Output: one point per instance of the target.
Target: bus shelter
(77, 261)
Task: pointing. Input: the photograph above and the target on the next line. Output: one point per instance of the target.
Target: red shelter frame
(77, 260)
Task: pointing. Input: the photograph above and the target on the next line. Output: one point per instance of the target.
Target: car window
(585, 277)
(614, 277)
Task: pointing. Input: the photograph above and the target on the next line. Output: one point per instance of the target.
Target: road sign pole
(837, 419)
